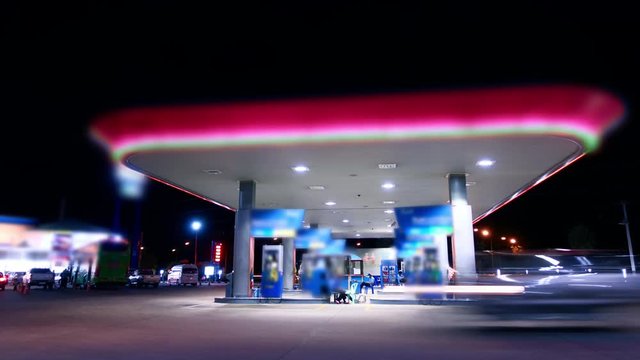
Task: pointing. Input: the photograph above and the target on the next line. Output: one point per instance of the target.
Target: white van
(183, 274)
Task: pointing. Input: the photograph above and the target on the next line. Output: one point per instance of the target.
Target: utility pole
(625, 222)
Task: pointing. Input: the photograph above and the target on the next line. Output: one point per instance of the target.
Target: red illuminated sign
(217, 253)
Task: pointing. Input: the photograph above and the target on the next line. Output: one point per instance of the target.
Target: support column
(288, 259)
(463, 248)
(243, 241)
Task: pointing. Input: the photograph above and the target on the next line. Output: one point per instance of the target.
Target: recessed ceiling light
(389, 202)
(358, 235)
(316, 187)
(330, 203)
(485, 163)
(213, 171)
(388, 185)
(470, 183)
(345, 220)
(388, 211)
(300, 169)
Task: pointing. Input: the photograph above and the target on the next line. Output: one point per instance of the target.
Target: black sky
(62, 65)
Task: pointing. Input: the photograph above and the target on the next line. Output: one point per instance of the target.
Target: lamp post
(196, 225)
(140, 247)
(486, 233)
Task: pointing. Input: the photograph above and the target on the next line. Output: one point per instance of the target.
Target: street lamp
(196, 225)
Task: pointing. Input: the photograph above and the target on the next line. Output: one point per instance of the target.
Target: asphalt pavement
(186, 323)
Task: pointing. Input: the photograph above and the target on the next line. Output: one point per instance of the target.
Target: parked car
(183, 275)
(3, 281)
(39, 277)
(144, 277)
(14, 278)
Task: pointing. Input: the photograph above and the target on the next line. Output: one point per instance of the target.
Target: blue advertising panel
(334, 247)
(421, 242)
(312, 238)
(276, 222)
(409, 245)
(272, 273)
(425, 220)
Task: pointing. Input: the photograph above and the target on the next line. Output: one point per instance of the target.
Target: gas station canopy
(349, 160)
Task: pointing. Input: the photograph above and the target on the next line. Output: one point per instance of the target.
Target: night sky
(63, 66)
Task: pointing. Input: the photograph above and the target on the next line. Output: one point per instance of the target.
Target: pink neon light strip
(577, 112)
